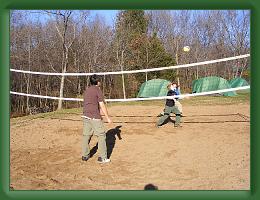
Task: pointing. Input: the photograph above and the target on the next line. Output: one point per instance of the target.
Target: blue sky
(109, 15)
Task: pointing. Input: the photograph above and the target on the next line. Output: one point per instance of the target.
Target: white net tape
(136, 71)
(140, 99)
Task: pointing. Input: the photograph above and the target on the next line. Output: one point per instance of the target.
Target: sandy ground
(210, 152)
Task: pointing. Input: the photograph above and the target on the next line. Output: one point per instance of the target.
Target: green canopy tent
(211, 83)
(239, 82)
(154, 88)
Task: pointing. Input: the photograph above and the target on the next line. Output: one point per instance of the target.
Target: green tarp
(153, 88)
(158, 87)
(238, 82)
(211, 83)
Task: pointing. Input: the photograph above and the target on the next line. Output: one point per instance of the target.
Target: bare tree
(62, 26)
(72, 41)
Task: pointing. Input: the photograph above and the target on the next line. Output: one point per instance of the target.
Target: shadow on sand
(110, 141)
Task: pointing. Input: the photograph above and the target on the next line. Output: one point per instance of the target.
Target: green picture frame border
(7, 5)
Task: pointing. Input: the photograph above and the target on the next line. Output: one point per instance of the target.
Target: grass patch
(217, 100)
(201, 100)
(56, 114)
(137, 103)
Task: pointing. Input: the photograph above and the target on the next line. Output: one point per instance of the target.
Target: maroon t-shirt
(92, 97)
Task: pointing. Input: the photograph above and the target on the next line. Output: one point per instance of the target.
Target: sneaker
(177, 125)
(160, 115)
(103, 160)
(85, 158)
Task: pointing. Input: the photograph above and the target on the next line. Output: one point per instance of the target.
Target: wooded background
(75, 41)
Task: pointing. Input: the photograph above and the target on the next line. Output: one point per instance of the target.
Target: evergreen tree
(135, 49)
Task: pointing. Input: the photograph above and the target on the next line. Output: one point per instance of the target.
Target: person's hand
(187, 97)
(109, 120)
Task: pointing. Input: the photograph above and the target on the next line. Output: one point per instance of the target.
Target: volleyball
(186, 48)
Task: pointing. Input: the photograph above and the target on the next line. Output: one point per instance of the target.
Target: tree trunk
(123, 78)
(63, 80)
(27, 91)
(46, 90)
(28, 77)
(177, 62)
(123, 83)
(61, 92)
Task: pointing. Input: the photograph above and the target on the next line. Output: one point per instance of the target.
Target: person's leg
(87, 133)
(161, 114)
(178, 116)
(167, 112)
(179, 106)
(99, 131)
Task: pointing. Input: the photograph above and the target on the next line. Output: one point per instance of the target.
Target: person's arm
(104, 110)
(173, 94)
(101, 112)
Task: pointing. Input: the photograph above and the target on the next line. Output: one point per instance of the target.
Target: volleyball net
(198, 64)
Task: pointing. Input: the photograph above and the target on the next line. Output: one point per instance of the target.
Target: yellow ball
(186, 48)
